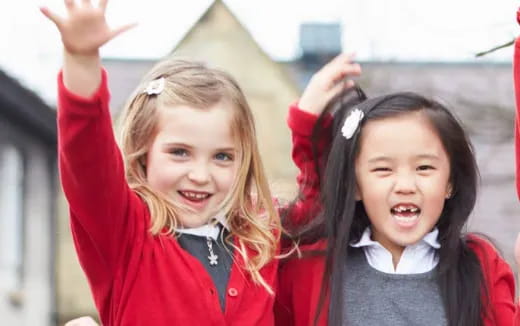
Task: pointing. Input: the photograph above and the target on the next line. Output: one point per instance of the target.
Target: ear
(449, 191)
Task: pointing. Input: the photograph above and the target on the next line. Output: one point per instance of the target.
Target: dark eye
(381, 169)
(425, 168)
(179, 152)
(223, 157)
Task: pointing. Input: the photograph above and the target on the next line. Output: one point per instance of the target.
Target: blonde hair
(251, 215)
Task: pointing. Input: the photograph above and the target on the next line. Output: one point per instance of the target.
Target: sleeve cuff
(302, 122)
(102, 94)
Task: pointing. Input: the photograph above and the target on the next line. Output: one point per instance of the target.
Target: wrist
(81, 73)
(81, 58)
(309, 107)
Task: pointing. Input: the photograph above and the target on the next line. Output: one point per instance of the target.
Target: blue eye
(179, 152)
(223, 157)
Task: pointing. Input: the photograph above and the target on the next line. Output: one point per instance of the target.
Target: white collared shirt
(211, 230)
(418, 258)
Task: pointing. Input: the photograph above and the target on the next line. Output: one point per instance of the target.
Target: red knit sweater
(300, 286)
(137, 278)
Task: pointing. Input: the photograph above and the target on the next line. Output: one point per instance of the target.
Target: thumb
(119, 30)
(51, 16)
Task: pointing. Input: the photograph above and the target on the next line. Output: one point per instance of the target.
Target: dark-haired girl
(389, 246)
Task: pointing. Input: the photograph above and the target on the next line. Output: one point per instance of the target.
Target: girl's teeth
(406, 219)
(194, 195)
(401, 209)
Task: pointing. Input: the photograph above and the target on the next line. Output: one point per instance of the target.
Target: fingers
(328, 82)
(115, 32)
(103, 4)
(338, 61)
(340, 67)
(69, 4)
(86, 3)
(339, 87)
(51, 16)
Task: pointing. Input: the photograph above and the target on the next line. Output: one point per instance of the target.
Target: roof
(26, 109)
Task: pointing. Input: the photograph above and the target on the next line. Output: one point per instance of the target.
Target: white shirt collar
(211, 230)
(417, 258)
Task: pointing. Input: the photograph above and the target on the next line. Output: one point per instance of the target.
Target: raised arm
(90, 164)
(516, 77)
(327, 83)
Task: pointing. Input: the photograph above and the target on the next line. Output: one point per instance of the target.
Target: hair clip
(155, 87)
(352, 123)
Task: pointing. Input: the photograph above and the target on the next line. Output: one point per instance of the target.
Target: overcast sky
(404, 30)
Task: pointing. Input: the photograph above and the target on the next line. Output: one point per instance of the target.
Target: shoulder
(485, 250)
(493, 264)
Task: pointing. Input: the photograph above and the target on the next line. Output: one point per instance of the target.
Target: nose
(405, 183)
(199, 173)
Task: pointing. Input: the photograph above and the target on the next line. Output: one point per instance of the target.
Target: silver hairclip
(155, 87)
(352, 123)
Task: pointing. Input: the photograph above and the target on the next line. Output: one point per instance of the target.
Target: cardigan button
(232, 292)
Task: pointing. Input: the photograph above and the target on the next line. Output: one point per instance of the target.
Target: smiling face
(402, 174)
(193, 159)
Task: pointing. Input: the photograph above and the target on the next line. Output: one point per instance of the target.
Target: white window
(11, 217)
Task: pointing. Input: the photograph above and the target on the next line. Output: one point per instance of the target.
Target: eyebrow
(388, 159)
(168, 145)
(184, 145)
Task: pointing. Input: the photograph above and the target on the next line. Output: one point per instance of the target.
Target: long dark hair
(343, 219)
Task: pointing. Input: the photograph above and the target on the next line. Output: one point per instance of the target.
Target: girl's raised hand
(328, 82)
(85, 29)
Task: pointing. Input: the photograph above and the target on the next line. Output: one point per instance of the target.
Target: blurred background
(272, 48)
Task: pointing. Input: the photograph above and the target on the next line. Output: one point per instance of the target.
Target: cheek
(162, 176)
(224, 177)
(373, 188)
(434, 192)
(436, 188)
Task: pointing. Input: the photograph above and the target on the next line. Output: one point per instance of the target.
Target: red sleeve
(301, 124)
(92, 176)
(500, 282)
(516, 77)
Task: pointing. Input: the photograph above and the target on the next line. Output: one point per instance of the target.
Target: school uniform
(371, 278)
(137, 278)
(516, 77)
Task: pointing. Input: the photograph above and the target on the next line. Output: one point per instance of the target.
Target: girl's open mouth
(405, 214)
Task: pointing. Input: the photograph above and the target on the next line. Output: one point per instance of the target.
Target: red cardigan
(300, 285)
(136, 278)
(516, 77)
